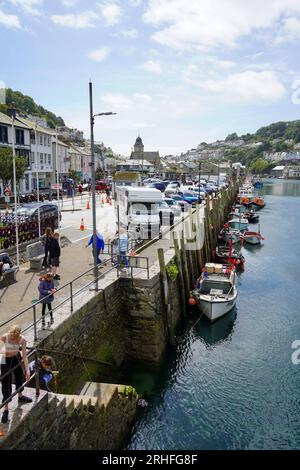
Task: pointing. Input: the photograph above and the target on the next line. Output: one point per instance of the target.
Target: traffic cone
(88, 205)
(82, 226)
(2, 433)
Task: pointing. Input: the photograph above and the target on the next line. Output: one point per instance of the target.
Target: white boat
(240, 224)
(216, 292)
(228, 235)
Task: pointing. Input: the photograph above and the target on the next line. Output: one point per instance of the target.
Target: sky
(176, 72)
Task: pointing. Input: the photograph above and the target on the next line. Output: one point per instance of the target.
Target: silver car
(176, 208)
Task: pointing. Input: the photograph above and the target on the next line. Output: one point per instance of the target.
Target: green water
(233, 385)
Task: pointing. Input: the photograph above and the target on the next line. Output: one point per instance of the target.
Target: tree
(6, 166)
(73, 175)
(99, 173)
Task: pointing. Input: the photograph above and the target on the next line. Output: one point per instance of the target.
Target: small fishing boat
(253, 238)
(226, 235)
(226, 254)
(252, 216)
(240, 224)
(216, 292)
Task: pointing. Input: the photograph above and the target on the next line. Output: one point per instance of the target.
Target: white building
(41, 157)
(22, 142)
(63, 160)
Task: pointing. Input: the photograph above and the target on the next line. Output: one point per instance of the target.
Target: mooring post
(164, 278)
(181, 275)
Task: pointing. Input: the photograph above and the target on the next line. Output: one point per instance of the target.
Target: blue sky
(178, 72)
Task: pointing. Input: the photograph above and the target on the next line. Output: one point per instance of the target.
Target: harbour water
(233, 385)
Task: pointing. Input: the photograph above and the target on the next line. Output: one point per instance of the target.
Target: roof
(134, 162)
(149, 156)
(279, 168)
(4, 119)
(78, 151)
(33, 125)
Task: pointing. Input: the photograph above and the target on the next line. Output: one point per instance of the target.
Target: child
(45, 367)
(54, 250)
(47, 291)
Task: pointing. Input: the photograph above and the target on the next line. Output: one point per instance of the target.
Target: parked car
(191, 198)
(161, 186)
(194, 190)
(181, 202)
(30, 212)
(174, 206)
(171, 189)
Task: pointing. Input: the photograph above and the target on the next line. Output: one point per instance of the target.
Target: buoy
(82, 226)
(192, 301)
(88, 205)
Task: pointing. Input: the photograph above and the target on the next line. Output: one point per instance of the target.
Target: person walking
(54, 250)
(47, 291)
(100, 245)
(124, 248)
(11, 364)
(46, 240)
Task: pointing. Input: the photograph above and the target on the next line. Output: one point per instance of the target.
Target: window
(49, 159)
(19, 137)
(45, 140)
(41, 158)
(49, 141)
(32, 157)
(41, 139)
(3, 134)
(32, 138)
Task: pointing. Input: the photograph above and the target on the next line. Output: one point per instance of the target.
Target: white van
(138, 211)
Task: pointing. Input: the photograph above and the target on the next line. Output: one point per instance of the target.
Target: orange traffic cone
(82, 226)
(88, 205)
(2, 433)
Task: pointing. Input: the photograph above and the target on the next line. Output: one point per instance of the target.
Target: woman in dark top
(55, 255)
(46, 240)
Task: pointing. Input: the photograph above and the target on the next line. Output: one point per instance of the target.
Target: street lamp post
(15, 185)
(37, 178)
(93, 174)
(57, 177)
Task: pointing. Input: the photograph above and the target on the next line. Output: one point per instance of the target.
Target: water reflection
(218, 332)
(281, 188)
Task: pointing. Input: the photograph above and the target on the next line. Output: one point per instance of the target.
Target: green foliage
(172, 271)
(26, 104)
(6, 165)
(73, 175)
(232, 137)
(128, 391)
(99, 173)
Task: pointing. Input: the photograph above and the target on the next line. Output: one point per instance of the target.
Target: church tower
(139, 148)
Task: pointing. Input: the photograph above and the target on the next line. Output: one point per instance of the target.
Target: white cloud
(9, 21)
(69, 3)
(185, 24)
(98, 55)
(290, 31)
(152, 66)
(117, 100)
(33, 7)
(130, 33)
(111, 13)
(135, 3)
(245, 87)
(79, 21)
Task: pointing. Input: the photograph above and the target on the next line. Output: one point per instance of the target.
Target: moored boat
(240, 224)
(253, 238)
(228, 235)
(227, 254)
(216, 292)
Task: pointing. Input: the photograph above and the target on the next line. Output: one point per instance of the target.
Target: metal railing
(117, 261)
